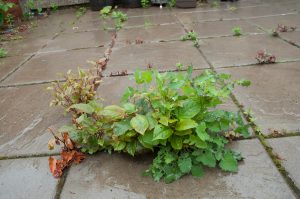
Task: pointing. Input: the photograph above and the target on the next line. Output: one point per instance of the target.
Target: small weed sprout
(117, 16)
(263, 57)
(145, 3)
(237, 31)
(54, 7)
(171, 3)
(191, 35)
(10, 19)
(273, 33)
(3, 53)
(80, 12)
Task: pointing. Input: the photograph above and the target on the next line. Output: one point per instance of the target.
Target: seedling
(3, 53)
(273, 33)
(263, 57)
(10, 19)
(191, 35)
(237, 31)
(105, 11)
(118, 17)
(80, 12)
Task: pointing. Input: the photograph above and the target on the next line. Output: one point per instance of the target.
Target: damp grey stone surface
(26, 178)
(288, 150)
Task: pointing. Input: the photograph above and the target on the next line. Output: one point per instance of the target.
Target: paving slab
(25, 116)
(162, 56)
(154, 10)
(214, 15)
(269, 23)
(273, 95)
(150, 19)
(293, 37)
(221, 28)
(26, 178)
(8, 64)
(46, 66)
(152, 33)
(288, 149)
(234, 51)
(78, 40)
(119, 176)
(26, 46)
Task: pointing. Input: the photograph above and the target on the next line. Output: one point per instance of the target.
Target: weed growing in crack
(117, 16)
(3, 53)
(80, 12)
(263, 57)
(237, 31)
(191, 35)
(283, 28)
(145, 3)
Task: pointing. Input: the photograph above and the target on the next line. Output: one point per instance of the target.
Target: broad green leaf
(200, 130)
(189, 109)
(131, 148)
(169, 157)
(197, 171)
(161, 132)
(228, 163)
(164, 120)
(86, 108)
(147, 140)
(152, 122)
(139, 123)
(120, 146)
(120, 128)
(176, 142)
(182, 133)
(113, 112)
(185, 124)
(147, 76)
(185, 165)
(195, 140)
(207, 158)
(129, 108)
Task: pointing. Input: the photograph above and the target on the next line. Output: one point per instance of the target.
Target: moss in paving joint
(282, 135)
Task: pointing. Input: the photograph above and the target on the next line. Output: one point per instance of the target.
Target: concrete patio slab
(26, 178)
(235, 51)
(119, 176)
(288, 149)
(293, 37)
(25, 117)
(151, 19)
(221, 28)
(269, 23)
(273, 95)
(162, 56)
(46, 66)
(152, 33)
(8, 64)
(78, 40)
(146, 12)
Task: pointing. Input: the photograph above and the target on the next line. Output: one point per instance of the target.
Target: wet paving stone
(151, 33)
(273, 95)
(118, 175)
(293, 37)
(235, 51)
(78, 40)
(26, 178)
(288, 149)
(46, 66)
(8, 64)
(162, 56)
(221, 28)
(25, 117)
(151, 19)
(155, 10)
(271, 23)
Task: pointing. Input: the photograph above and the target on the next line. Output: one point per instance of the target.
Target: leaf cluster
(237, 31)
(191, 35)
(80, 12)
(3, 53)
(145, 3)
(174, 113)
(117, 16)
(5, 6)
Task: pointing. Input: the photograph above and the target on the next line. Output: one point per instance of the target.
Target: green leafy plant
(9, 19)
(145, 3)
(80, 12)
(117, 16)
(171, 3)
(237, 31)
(4, 7)
(54, 6)
(172, 113)
(191, 35)
(104, 12)
(3, 53)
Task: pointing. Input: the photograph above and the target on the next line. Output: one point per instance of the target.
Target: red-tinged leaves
(52, 164)
(265, 58)
(78, 157)
(68, 141)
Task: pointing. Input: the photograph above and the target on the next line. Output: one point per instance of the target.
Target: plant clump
(263, 57)
(237, 31)
(173, 114)
(117, 16)
(3, 53)
(191, 35)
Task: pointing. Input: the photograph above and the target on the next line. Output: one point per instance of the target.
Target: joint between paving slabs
(261, 138)
(61, 182)
(9, 157)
